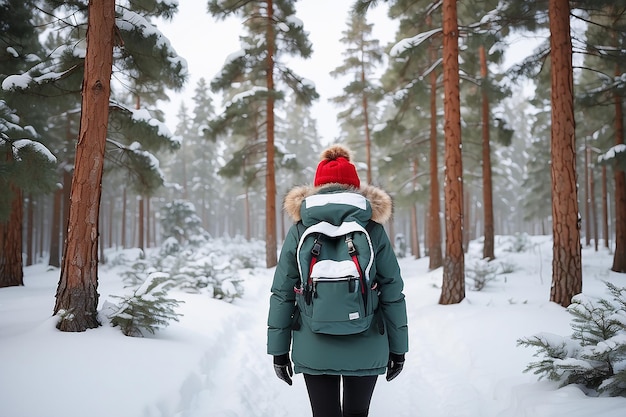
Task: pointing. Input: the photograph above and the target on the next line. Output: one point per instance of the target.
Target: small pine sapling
(147, 309)
(595, 354)
(480, 273)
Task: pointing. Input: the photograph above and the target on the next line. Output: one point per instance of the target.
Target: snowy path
(238, 375)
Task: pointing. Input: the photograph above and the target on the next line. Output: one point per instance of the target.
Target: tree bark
(592, 201)
(141, 222)
(488, 246)
(566, 263)
(30, 213)
(77, 296)
(619, 257)
(368, 141)
(587, 199)
(435, 256)
(414, 235)
(55, 230)
(271, 257)
(605, 208)
(453, 287)
(11, 270)
(123, 231)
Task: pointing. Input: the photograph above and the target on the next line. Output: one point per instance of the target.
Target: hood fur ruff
(381, 203)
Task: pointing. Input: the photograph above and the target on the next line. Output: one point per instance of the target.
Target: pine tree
(26, 165)
(566, 263)
(273, 30)
(453, 288)
(602, 89)
(148, 309)
(409, 137)
(361, 56)
(77, 297)
(594, 354)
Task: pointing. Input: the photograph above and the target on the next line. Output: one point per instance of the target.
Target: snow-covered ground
(463, 359)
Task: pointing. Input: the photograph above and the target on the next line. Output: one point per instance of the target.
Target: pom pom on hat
(335, 167)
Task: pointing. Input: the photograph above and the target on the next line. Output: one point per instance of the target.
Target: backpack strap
(353, 254)
(315, 253)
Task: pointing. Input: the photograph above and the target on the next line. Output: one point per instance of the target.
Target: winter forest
(467, 148)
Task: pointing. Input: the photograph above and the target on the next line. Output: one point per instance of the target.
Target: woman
(328, 360)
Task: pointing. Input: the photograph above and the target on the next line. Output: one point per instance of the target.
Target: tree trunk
(605, 208)
(488, 246)
(414, 235)
(435, 256)
(619, 257)
(65, 202)
(468, 222)
(271, 258)
(11, 271)
(453, 288)
(148, 235)
(587, 198)
(30, 213)
(123, 234)
(55, 230)
(368, 141)
(592, 202)
(77, 295)
(566, 263)
(141, 220)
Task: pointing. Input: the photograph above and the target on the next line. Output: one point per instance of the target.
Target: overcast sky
(205, 44)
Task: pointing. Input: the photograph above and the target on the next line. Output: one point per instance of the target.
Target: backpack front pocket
(338, 306)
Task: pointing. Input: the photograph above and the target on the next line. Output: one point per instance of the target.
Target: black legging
(324, 395)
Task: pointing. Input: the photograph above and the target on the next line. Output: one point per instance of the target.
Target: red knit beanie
(335, 167)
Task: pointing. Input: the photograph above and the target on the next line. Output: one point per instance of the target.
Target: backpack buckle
(317, 248)
(351, 247)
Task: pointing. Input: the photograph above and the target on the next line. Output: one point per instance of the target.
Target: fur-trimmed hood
(380, 201)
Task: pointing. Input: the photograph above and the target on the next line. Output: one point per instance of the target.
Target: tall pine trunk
(453, 288)
(566, 262)
(54, 258)
(77, 294)
(605, 208)
(271, 257)
(435, 256)
(11, 270)
(30, 214)
(414, 235)
(368, 141)
(488, 247)
(619, 257)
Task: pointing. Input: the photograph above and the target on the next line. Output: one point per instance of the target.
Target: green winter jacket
(365, 353)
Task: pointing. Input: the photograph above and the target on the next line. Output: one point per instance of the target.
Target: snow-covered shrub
(137, 274)
(180, 221)
(147, 309)
(519, 243)
(117, 257)
(507, 267)
(595, 354)
(212, 267)
(169, 247)
(480, 273)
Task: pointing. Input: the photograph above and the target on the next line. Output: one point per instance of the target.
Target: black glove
(282, 367)
(395, 365)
